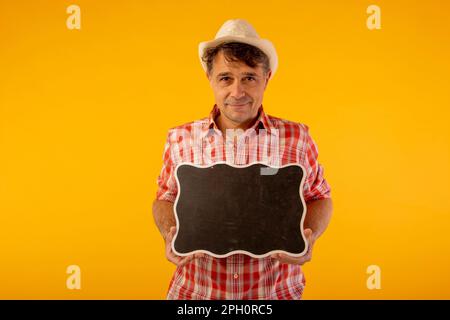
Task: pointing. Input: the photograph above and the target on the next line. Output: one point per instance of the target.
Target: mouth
(238, 105)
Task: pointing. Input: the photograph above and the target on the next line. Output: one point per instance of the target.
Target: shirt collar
(263, 121)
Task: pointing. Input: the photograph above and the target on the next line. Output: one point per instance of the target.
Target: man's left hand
(284, 258)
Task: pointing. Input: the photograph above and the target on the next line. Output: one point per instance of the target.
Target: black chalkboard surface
(223, 209)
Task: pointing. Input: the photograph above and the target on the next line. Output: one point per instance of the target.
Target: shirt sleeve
(315, 186)
(167, 185)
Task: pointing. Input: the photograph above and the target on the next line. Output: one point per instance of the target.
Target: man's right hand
(172, 257)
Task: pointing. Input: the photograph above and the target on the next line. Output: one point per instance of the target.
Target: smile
(238, 105)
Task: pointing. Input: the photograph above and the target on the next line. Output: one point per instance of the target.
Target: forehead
(221, 65)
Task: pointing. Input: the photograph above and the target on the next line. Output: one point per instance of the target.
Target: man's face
(238, 90)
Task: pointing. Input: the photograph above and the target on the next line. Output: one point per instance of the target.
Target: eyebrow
(253, 74)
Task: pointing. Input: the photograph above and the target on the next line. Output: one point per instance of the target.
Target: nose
(237, 90)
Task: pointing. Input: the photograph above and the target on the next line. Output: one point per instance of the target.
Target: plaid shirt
(240, 276)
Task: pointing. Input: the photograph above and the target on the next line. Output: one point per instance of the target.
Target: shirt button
(235, 276)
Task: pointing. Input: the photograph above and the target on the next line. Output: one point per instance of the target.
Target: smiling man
(238, 65)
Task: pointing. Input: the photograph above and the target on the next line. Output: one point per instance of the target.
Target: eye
(224, 78)
(250, 78)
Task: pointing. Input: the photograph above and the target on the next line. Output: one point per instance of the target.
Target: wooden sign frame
(190, 237)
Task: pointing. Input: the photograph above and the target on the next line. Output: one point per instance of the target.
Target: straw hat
(238, 30)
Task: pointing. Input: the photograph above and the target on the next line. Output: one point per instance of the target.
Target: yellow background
(84, 117)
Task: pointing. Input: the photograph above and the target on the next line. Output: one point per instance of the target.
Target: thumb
(308, 234)
(171, 233)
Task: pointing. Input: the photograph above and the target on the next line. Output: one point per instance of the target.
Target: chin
(240, 114)
(240, 109)
(240, 118)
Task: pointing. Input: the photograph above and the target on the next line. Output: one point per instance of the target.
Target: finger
(169, 238)
(284, 258)
(280, 257)
(170, 255)
(173, 258)
(309, 237)
(172, 232)
(308, 234)
(185, 260)
(199, 255)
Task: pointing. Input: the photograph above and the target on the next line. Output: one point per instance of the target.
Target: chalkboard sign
(223, 209)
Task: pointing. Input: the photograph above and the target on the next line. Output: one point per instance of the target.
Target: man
(238, 65)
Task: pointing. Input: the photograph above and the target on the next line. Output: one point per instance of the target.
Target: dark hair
(237, 51)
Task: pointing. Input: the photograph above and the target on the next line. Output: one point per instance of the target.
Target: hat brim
(264, 45)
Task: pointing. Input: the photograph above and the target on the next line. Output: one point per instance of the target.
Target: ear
(269, 74)
(207, 77)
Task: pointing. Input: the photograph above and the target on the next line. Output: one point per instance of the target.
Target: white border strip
(241, 251)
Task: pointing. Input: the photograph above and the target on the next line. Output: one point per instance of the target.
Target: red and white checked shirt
(240, 276)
